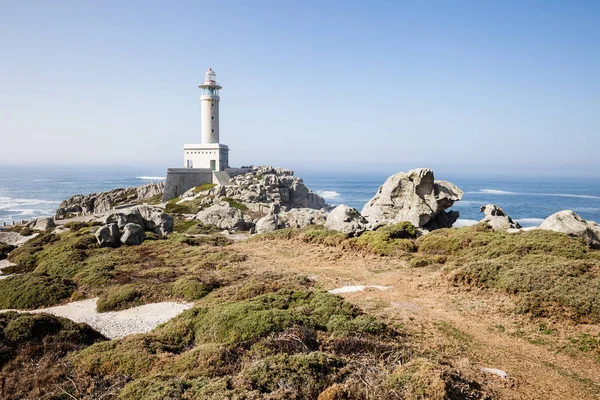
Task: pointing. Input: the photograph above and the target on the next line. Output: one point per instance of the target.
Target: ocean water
(32, 192)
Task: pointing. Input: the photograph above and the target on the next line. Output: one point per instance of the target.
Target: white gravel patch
(117, 324)
(350, 289)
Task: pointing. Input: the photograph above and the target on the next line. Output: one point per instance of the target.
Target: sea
(27, 193)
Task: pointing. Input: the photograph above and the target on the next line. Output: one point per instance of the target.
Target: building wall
(209, 106)
(201, 157)
(179, 180)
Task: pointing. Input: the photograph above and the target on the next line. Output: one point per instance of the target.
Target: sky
(481, 87)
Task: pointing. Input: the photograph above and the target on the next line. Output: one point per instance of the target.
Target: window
(212, 130)
(212, 117)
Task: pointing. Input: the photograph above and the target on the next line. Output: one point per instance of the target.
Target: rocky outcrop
(572, 224)
(150, 218)
(224, 216)
(497, 219)
(108, 236)
(302, 217)
(133, 235)
(43, 223)
(270, 185)
(346, 220)
(105, 201)
(414, 196)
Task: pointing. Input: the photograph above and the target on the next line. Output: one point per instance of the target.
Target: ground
(476, 327)
(452, 302)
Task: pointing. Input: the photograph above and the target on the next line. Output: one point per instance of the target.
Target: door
(213, 165)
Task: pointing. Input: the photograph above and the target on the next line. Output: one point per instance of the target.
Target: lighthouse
(209, 153)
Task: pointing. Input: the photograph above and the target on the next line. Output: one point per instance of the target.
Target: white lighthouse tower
(210, 153)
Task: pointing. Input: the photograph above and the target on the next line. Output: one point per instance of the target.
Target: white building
(210, 153)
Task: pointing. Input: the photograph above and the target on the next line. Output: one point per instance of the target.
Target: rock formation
(572, 224)
(43, 223)
(346, 220)
(147, 218)
(133, 235)
(224, 216)
(108, 236)
(270, 185)
(105, 201)
(150, 218)
(497, 219)
(413, 196)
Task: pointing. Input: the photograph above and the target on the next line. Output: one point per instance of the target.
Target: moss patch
(34, 290)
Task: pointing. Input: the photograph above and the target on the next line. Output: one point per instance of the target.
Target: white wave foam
(328, 194)
(9, 203)
(504, 192)
(464, 222)
(529, 222)
(592, 210)
(151, 178)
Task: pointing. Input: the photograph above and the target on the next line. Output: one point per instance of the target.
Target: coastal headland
(283, 296)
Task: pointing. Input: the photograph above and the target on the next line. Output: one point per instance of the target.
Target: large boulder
(115, 218)
(43, 223)
(302, 217)
(152, 219)
(108, 236)
(414, 196)
(572, 224)
(224, 216)
(268, 223)
(497, 219)
(133, 235)
(346, 220)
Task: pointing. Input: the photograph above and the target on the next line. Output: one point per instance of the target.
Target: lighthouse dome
(210, 75)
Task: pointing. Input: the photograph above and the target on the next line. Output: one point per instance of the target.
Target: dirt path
(470, 328)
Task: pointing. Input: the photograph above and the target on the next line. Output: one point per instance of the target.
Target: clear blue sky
(466, 86)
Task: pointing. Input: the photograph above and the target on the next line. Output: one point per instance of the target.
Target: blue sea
(31, 192)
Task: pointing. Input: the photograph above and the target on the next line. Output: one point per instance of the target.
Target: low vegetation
(54, 267)
(390, 240)
(548, 272)
(34, 350)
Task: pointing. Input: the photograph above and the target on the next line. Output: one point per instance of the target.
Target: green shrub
(183, 208)
(382, 243)
(191, 288)
(16, 329)
(26, 255)
(119, 298)
(204, 188)
(34, 290)
(235, 204)
(402, 230)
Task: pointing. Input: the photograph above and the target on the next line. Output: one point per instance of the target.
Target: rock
(268, 185)
(413, 196)
(302, 217)
(223, 216)
(14, 238)
(105, 201)
(268, 223)
(116, 218)
(346, 220)
(497, 219)
(494, 371)
(108, 236)
(152, 219)
(133, 235)
(572, 224)
(43, 223)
